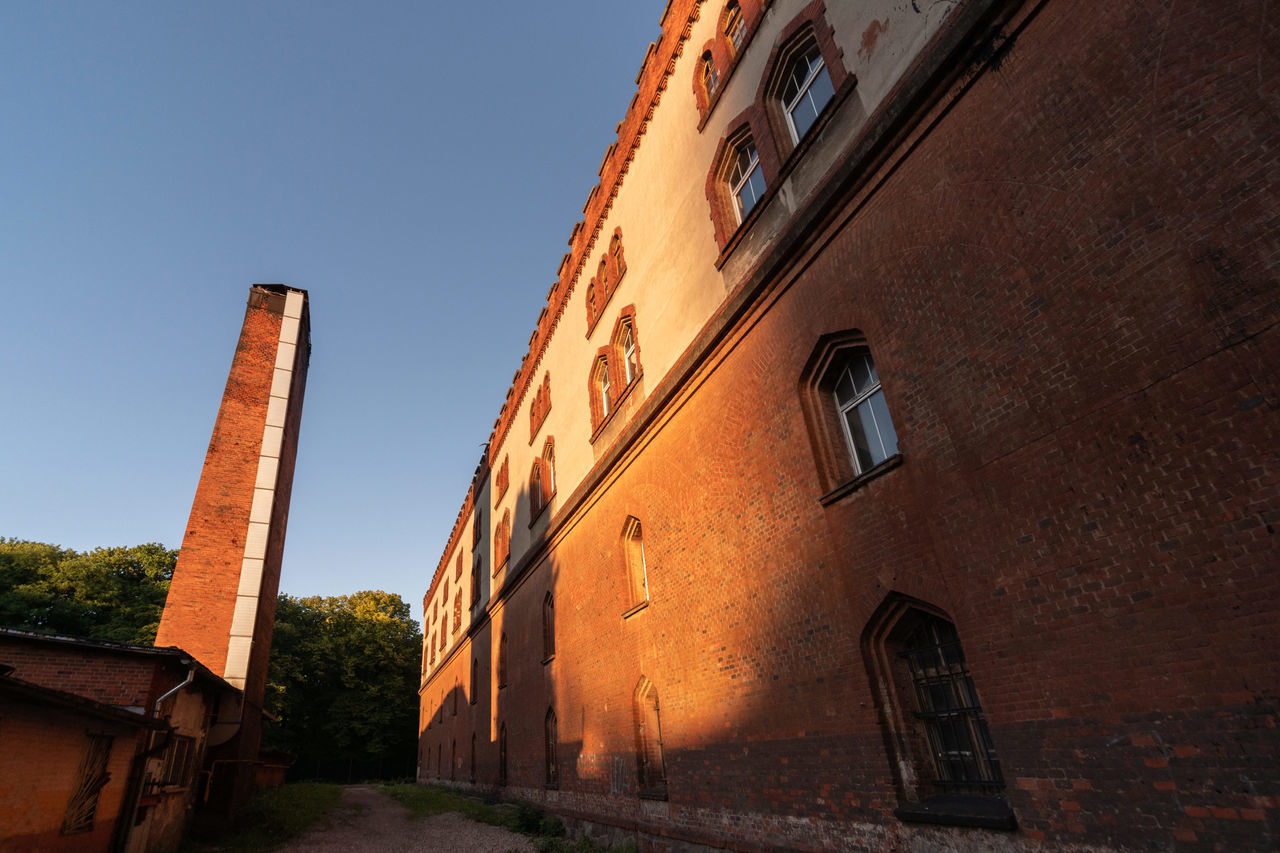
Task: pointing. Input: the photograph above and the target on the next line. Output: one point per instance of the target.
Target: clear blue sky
(416, 166)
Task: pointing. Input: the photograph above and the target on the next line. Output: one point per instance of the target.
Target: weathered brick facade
(1052, 225)
(222, 601)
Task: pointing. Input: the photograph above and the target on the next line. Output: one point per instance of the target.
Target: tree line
(343, 677)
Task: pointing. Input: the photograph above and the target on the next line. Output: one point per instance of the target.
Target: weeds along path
(368, 820)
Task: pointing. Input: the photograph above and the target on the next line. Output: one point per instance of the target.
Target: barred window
(178, 762)
(948, 707)
(90, 780)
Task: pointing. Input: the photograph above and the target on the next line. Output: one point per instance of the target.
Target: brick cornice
(651, 82)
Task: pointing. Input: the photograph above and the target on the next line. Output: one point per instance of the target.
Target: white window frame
(860, 399)
(743, 182)
(710, 76)
(629, 352)
(735, 26)
(803, 52)
(602, 386)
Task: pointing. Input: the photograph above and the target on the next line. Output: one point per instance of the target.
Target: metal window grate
(949, 710)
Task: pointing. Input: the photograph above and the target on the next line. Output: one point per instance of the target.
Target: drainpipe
(191, 674)
(137, 768)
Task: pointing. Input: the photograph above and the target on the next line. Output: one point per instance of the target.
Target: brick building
(100, 743)
(109, 746)
(894, 463)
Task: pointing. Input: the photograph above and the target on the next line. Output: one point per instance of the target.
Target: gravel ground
(368, 820)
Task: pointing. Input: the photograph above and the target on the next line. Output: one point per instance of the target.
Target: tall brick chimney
(222, 601)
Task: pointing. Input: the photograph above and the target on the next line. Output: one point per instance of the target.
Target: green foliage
(270, 818)
(106, 594)
(343, 679)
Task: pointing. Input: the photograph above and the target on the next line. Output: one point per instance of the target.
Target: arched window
(652, 770)
(477, 525)
(457, 571)
(864, 415)
(626, 343)
(457, 611)
(502, 541)
(591, 306)
(476, 570)
(804, 86)
(502, 755)
(553, 766)
(745, 178)
(601, 394)
(735, 25)
(710, 77)
(548, 470)
(938, 731)
(548, 628)
(536, 491)
(604, 284)
(633, 549)
(475, 680)
(847, 412)
(502, 661)
(617, 259)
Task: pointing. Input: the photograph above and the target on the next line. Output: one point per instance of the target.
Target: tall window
(627, 344)
(453, 758)
(942, 752)
(864, 415)
(746, 180)
(710, 77)
(601, 399)
(553, 766)
(476, 526)
(475, 581)
(652, 770)
(502, 541)
(548, 470)
(502, 661)
(535, 490)
(735, 25)
(806, 88)
(502, 755)
(633, 549)
(948, 708)
(475, 680)
(548, 627)
(457, 611)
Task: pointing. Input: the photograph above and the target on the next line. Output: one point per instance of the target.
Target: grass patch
(545, 832)
(269, 819)
(423, 801)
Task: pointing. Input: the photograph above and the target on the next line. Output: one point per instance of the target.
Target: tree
(105, 594)
(343, 678)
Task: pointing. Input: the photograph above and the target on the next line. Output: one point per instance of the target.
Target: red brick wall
(1068, 282)
(39, 768)
(98, 674)
(202, 597)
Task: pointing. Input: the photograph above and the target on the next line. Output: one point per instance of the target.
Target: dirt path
(368, 820)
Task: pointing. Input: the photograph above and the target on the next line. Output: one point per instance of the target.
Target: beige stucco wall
(671, 250)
